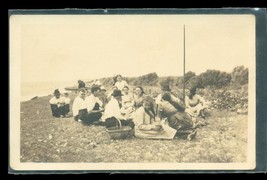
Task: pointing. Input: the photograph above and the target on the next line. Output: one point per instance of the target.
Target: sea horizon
(30, 90)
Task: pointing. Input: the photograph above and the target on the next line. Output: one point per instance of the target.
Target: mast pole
(184, 67)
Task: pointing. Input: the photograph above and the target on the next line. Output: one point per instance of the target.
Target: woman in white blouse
(120, 83)
(127, 102)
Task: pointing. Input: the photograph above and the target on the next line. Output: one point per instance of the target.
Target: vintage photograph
(132, 91)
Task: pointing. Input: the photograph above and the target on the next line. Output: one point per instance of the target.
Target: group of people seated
(163, 117)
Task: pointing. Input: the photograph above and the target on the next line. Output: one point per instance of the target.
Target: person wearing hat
(112, 111)
(57, 104)
(109, 96)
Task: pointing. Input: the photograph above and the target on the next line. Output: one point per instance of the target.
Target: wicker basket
(119, 132)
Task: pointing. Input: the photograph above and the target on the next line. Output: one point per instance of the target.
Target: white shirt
(113, 110)
(96, 82)
(127, 100)
(56, 101)
(120, 85)
(78, 104)
(67, 100)
(91, 101)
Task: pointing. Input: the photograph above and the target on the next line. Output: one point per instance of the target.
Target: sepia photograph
(121, 91)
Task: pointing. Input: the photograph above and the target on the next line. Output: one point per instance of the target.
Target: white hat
(102, 88)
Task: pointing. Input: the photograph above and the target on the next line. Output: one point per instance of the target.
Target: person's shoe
(192, 135)
(68, 115)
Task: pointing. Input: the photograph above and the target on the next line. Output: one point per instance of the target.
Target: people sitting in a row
(88, 109)
(163, 117)
(178, 122)
(60, 106)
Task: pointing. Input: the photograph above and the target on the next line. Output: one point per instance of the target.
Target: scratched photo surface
(188, 104)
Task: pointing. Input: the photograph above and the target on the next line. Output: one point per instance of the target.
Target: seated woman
(195, 104)
(57, 104)
(119, 82)
(112, 112)
(127, 102)
(146, 125)
(176, 117)
(138, 97)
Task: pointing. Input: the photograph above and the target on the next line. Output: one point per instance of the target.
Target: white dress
(120, 85)
(144, 123)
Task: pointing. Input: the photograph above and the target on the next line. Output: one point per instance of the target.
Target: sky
(68, 47)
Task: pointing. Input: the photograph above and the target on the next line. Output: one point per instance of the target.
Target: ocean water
(31, 89)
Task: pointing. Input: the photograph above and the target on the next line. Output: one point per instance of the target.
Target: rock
(93, 144)
(242, 111)
(35, 97)
(148, 156)
(50, 136)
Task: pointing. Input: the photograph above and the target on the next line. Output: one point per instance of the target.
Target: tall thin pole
(184, 66)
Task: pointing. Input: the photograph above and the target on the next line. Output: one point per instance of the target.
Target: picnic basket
(119, 131)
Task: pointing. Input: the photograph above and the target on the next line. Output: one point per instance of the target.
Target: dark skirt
(88, 118)
(58, 111)
(181, 121)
